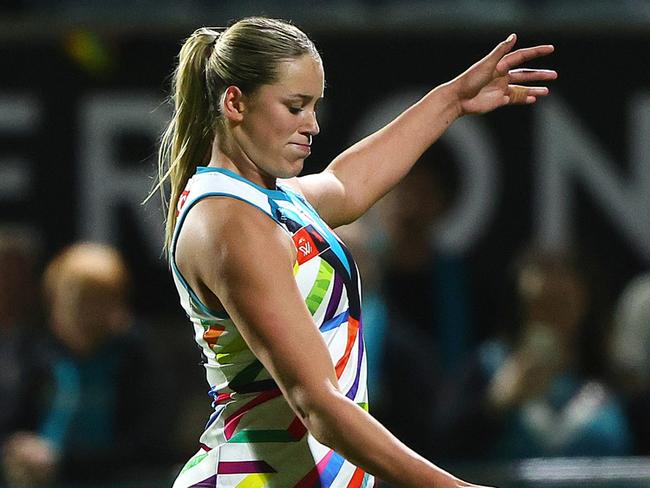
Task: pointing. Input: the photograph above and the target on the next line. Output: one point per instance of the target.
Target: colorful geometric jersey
(253, 438)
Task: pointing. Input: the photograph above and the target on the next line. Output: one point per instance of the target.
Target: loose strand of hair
(185, 142)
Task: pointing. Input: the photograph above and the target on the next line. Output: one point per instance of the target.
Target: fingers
(518, 94)
(502, 49)
(524, 75)
(520, 56)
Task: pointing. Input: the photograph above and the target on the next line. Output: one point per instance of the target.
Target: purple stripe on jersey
(355, 386)
(335, 298)
(211, 482)
(244, 467)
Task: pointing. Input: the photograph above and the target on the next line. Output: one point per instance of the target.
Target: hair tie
(213, 33)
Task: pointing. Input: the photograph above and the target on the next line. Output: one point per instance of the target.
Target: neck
(228, 155)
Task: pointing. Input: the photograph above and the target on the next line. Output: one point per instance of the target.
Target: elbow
(317, 411)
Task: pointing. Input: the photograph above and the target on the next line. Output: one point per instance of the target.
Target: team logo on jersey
(305, 247)
(181, 201)
(309, 243)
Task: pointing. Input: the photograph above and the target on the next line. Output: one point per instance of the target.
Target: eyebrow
(304, 98)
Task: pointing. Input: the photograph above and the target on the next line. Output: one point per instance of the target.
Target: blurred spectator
(426, 300)
(18, 294)
(530, 397)
(630, 355)
(100, 418)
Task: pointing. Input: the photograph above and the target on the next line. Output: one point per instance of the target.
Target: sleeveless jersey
(253, 439)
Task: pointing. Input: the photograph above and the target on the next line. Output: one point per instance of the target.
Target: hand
(530, 369)
(493, 81)
(29, 460)
(517, 381)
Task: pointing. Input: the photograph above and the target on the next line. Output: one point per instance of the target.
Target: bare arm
(362, 174)
(262, 298)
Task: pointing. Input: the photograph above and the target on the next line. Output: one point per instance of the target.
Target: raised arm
(369, 169)
(262, 298)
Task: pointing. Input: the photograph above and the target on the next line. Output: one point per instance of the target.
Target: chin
(294, 169)
(300, 166)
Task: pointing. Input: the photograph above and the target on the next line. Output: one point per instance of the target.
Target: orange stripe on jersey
(213, 333)
(353, 328)
(357, 478)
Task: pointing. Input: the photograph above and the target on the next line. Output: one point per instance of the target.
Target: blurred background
(506, 285)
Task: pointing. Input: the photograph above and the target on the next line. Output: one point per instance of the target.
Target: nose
(311, 126)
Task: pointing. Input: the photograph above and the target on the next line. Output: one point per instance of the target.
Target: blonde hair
(86, 266)
(246, 55)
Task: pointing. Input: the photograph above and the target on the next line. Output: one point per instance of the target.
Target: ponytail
(187, 140)
(246, 54)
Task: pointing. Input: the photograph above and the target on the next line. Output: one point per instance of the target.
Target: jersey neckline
(279, 193)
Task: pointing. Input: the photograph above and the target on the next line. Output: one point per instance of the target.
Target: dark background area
(61, 54)
(598, 75)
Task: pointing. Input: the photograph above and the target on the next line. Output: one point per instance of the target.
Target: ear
(233, 104)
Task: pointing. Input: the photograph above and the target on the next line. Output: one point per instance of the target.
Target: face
(279, 121)
(85, 317)
(556, 297)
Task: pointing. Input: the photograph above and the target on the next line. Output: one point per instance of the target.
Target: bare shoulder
(324, 192)
(223, 238)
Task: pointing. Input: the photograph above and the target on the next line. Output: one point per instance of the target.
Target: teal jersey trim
(277, 194)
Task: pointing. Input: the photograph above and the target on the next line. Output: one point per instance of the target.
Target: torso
(253, 435)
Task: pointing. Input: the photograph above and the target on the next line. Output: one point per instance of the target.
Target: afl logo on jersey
(181, 201)
(305, 246)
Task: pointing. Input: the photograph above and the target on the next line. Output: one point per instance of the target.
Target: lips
(304, 148)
